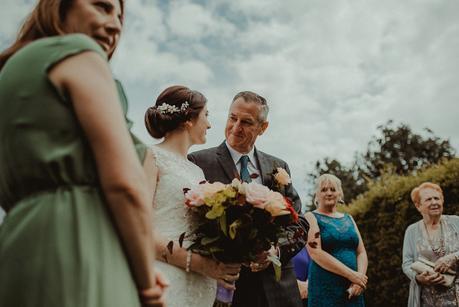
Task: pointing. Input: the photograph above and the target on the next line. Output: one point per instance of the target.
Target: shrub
(382, 214)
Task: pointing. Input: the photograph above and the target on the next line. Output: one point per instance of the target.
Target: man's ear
(264, 126)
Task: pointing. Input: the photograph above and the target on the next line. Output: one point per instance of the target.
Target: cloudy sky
(332, 71)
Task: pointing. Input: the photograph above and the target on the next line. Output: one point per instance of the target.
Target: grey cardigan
(412, 234)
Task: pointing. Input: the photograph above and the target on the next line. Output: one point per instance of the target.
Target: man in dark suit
(237, 156)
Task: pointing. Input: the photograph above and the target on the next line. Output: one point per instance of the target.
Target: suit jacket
(260, 288)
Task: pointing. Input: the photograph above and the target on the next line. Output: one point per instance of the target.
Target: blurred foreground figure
(78, 225)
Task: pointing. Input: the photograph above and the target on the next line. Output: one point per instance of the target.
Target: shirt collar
(236, 155)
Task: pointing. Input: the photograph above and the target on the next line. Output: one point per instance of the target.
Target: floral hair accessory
(166, 108)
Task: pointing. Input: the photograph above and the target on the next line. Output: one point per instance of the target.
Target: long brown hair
(46, 19)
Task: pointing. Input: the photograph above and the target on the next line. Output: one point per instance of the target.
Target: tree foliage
(383, 213)
(403, 151)
(395, 150)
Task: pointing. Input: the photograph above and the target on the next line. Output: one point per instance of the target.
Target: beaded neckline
(169, 153)
(332, 217)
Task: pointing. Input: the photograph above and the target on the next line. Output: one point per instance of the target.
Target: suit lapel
(266, 167)
(226, 162)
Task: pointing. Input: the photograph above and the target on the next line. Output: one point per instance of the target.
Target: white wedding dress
(171, 220)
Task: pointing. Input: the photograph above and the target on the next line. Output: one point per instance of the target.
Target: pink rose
(209, 189)
(276, 205)
(256, 194)
(194, 197)
(282, 177)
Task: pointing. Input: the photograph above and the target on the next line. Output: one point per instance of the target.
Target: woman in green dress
(78, 225)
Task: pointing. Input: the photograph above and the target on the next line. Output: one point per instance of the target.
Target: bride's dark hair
(174, 106)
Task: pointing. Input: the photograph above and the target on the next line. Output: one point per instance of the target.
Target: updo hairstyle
(174, 106)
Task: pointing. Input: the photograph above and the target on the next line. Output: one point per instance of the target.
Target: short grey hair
(249, 96)
(328, 178)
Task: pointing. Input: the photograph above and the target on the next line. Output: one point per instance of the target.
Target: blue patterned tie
(245, 175)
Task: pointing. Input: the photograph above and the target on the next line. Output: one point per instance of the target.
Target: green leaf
(181, 238)
(216, 211)
(170, 246)
(253, 233)
(233, 228)
(215, 249)
(207, 240)
(277, 265)
(223, 223)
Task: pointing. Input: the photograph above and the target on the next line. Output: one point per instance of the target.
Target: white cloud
(332, 70)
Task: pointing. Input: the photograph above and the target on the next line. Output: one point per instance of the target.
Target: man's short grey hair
(249, 96)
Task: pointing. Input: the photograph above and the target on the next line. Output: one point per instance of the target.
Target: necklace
(439, 251)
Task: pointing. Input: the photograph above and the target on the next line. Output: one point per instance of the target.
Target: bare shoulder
(310, 217)
(82, 66)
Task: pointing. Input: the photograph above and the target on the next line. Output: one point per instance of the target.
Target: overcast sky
(332, 71)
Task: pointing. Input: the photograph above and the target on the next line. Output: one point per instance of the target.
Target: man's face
(243, 125)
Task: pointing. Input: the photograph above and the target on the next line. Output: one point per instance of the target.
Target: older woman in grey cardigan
(436, 238)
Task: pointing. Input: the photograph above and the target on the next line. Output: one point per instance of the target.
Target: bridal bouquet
(237, 221)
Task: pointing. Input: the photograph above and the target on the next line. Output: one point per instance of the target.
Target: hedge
(382, 215)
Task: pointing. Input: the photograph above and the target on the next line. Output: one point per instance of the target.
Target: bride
(180, 117)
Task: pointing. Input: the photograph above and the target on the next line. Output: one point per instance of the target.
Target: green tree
(396, 149)
(403, 151)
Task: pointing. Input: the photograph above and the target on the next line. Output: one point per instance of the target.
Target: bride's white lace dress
(171, 220)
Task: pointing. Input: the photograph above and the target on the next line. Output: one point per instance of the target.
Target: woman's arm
(87, 80)
(178, 256)
(324, 259)
(362, 263)
(362, 258)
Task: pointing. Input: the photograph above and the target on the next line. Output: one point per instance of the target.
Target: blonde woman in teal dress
(337, 274)
(78, 225)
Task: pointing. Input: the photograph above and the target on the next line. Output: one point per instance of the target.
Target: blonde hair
(415, 193)
(328, 178)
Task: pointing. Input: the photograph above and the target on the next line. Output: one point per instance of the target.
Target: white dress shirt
(252, 165)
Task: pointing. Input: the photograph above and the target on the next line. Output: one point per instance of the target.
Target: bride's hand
(225, 273)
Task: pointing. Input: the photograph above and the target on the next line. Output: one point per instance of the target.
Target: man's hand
(262, 261)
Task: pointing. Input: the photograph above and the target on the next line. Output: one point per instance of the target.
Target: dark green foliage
(382, 215)
(395, 150)
(403, 150)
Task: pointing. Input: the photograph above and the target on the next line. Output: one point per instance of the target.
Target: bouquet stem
(224, 296)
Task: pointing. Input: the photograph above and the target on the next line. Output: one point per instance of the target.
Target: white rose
(282, 177)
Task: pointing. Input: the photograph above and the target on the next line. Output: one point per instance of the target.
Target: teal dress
(339, 238)
(58, 244)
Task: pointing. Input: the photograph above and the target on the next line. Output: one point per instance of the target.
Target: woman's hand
(154, 296)
(303, 287)
(354, 290)
(445, 263)
(225, 273)
(359, 279)
(428, 279)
